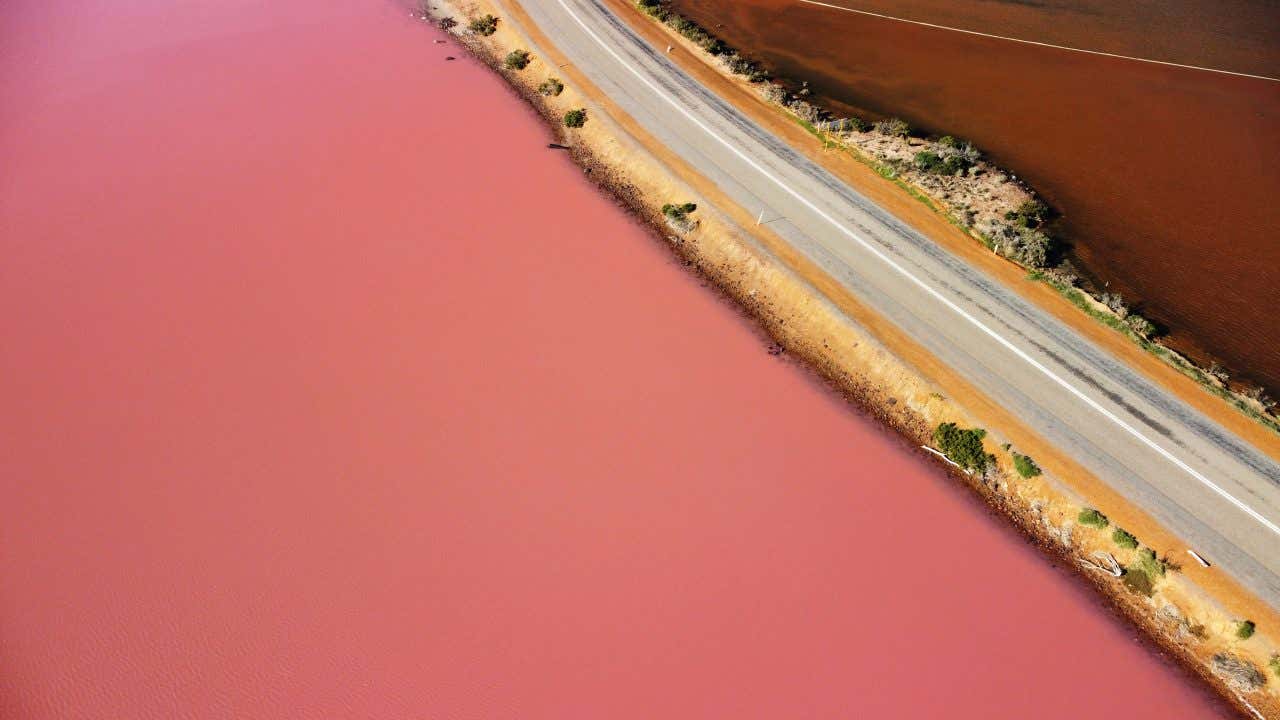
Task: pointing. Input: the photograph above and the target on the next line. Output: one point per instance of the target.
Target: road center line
(1038, 44)
(921, 284)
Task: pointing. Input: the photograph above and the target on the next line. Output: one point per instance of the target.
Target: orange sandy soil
(1210, 599)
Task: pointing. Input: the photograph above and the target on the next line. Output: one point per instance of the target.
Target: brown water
(1166, 177)
(330, 392)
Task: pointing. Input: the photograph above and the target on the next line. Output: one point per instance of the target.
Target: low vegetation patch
(678, 216)
(486, 25)
(1137, 580)
(516, 60)
(1092, 518)
(575, 118)
(1245, 629)
(1025, 466)
(1124, 539)
(1275, 664)
(1150, 564)
(551, 87)
(963, 447)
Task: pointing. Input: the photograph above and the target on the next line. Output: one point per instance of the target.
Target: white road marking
(1040, 44)
(924, 286)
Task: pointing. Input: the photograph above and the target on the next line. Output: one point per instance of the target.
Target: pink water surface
(329, 392)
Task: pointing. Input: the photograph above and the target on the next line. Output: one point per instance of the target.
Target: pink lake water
(330, 392)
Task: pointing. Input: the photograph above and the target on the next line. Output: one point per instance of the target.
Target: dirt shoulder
(1189, 611)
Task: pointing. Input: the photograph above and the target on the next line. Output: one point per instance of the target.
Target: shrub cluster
(1275, 664)
(1026, 246)
(575, 118)
(1092, 518)
(1244, 629)
(447, 23)
(516, 60)
(1025, 466)
(1124, 538)
(963, 447)
(485, 26)
(551, 87)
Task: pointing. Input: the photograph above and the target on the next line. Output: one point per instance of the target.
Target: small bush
(1154, 566)
(1244, 629)
(1092, 518)
(447, 24)
(893, 127)
(1124, 539)
(954, 165)
(654, 8)
(928, 161)
(1025, 466)
(575, 118)
(516, 60)
(551, 87)
(963, 447)
(485, 26)
(1275, 664)
(1140, 325)
(1031, 213)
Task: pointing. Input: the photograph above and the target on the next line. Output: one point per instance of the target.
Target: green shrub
(954, 165)
(516, 60)
(678, 212)
(1092, 518)
(551, 87)
(1154, 566)
(1244, 629)
(1025, 466)
(963, 447)
(928, 161)
(1124, 539)
(1275, 664)
(575, 118)
(486, 25)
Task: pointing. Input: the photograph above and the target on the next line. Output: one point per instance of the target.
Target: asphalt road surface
(1215, 491)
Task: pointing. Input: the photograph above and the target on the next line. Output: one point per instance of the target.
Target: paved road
(1201, 481)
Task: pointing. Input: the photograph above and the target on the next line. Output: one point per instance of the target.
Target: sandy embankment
(1191, 612)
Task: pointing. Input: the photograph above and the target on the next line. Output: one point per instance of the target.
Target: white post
(761, 217)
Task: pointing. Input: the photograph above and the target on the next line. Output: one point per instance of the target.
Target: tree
(575, 118)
